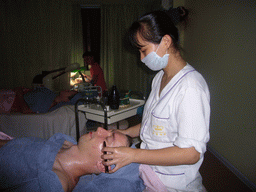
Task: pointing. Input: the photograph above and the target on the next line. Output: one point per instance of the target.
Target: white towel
(151, 180)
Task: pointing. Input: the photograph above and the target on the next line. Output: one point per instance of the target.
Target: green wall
(219, 41)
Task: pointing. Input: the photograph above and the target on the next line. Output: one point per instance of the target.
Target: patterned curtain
(36, 36)
(121, 63)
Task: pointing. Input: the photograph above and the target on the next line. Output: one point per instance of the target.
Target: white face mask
(154, 61)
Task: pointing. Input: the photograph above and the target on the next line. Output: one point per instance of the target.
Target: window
(91, 18)
(91, 26)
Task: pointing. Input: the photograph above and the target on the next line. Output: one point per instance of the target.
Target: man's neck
(69, 166)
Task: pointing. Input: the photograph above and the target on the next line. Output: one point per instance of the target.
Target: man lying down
(59, 164)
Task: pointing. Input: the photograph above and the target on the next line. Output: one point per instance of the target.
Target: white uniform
(180, 117)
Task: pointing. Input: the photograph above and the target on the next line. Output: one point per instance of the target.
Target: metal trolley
(92, 95)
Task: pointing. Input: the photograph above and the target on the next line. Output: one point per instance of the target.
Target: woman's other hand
(88, 78)
(123, 131)
(132, 131)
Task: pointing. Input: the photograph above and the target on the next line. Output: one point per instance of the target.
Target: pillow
(6, 100)
(40, 99)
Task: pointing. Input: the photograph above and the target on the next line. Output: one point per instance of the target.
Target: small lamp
(46, 78)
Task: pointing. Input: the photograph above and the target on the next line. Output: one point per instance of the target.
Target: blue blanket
(125, 179)
(71, 102)
(26, 165)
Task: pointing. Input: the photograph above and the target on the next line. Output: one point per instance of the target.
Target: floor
(217, 177)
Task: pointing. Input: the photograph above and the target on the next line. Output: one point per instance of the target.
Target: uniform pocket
(172, 176)
(161, 128)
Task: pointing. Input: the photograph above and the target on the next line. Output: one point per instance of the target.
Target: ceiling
(98, 2)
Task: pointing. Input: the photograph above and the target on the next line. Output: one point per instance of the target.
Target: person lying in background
(37, 100)
(35, 164)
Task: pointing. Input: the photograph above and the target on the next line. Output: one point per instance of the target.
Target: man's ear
(100, 166)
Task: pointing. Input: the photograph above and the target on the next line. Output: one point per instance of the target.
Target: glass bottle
(114, 98)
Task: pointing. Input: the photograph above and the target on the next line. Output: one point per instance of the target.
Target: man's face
(112, 139)
(92, 143)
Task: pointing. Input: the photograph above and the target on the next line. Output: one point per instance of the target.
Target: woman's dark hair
(152, 27)
(92, 54)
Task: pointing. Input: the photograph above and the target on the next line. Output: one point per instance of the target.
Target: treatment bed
(43, 125)
(26, 113)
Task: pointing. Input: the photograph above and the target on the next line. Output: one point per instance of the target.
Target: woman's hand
(123, 131)
(118, 156)
(88, 78)
(132, 131)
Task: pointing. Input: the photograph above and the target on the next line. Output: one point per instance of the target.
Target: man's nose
(103, 132)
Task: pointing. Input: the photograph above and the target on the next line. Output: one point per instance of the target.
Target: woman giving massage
(175, 124)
